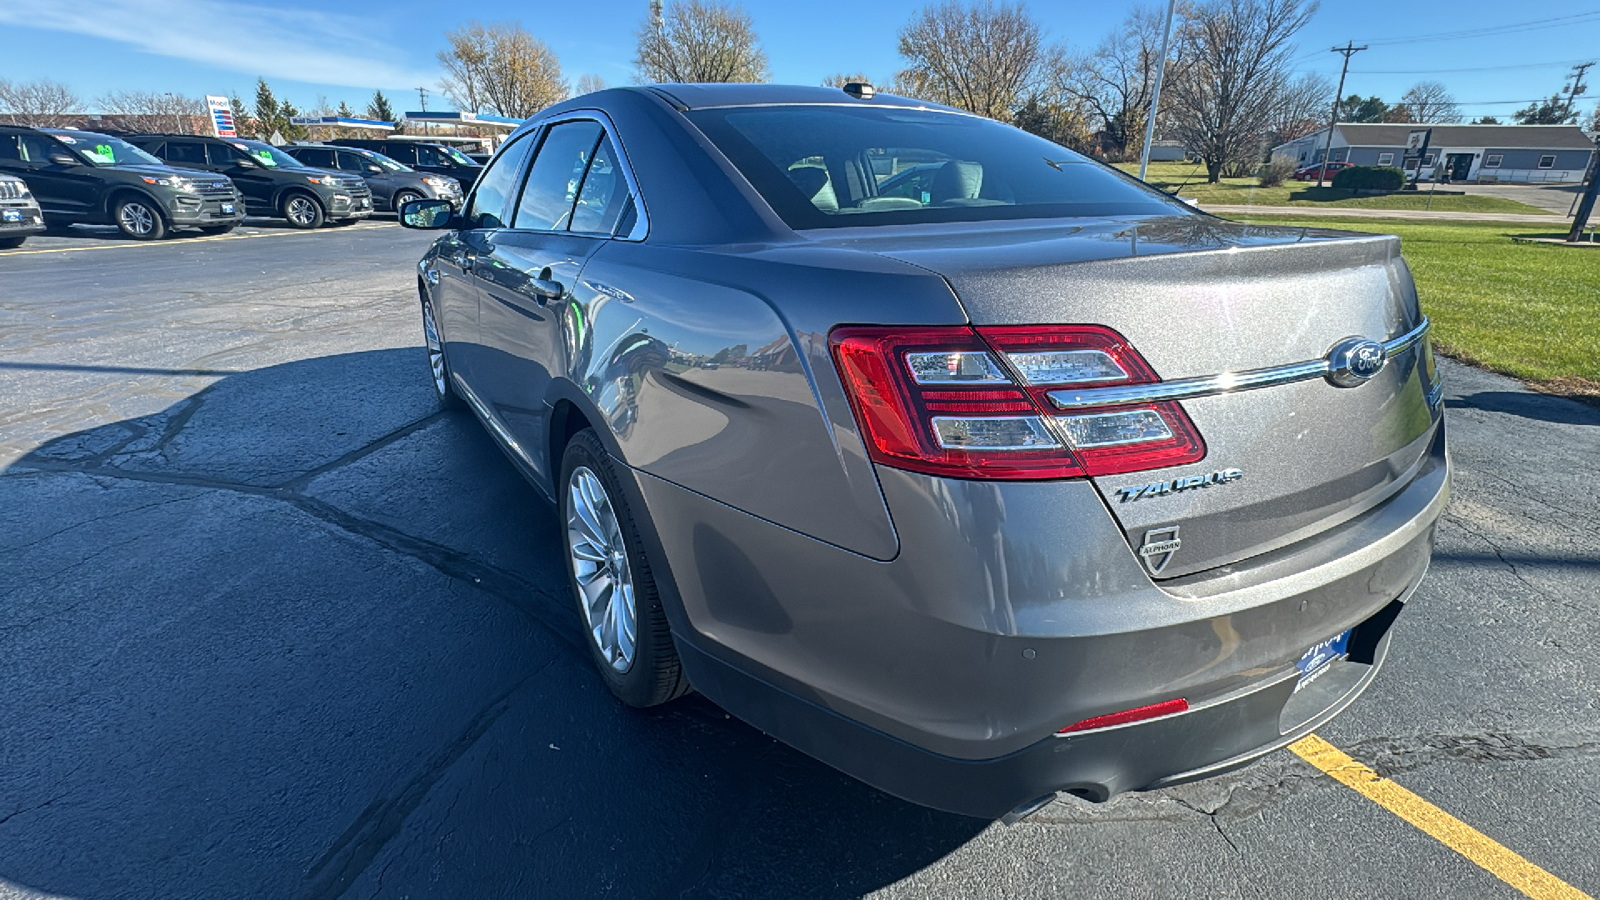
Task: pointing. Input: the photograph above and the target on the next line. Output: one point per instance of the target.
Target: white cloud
(296, 44)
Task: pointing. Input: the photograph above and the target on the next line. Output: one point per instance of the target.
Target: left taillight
(972, 403)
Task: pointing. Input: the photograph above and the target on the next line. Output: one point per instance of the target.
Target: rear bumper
(1013, 610)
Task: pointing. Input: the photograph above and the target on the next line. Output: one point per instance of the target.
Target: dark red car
(1309, 173)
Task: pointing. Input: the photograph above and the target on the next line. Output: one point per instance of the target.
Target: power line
(1534, 25)
(1542, 65)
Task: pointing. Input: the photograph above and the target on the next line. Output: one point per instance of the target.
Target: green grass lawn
(1189, 180)
(1527, 310)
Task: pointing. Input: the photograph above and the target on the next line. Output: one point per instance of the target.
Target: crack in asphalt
(354, 850)
(1454, 519)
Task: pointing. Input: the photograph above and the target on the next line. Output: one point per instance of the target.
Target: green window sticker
(103, 153)
(266, 158)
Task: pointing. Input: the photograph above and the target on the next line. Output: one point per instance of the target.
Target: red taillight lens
(958, 413)
(1153, 711)
(973, 403)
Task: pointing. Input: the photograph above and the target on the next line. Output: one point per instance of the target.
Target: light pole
(1155, 95)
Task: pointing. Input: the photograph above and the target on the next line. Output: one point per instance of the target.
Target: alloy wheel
(136, 218)
(600, 567)
(430, 331)
(302, 211)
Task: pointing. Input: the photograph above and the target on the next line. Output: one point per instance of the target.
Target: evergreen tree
(379, 108)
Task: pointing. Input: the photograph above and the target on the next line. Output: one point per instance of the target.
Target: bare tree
(588, 84)
(698, 41)
(982, 57)
(149, 111)
(501, 68)
(1232, 69)
(1429, 102)
(1116, 80)
(44, 103)
(840, 79)
(1301, 108)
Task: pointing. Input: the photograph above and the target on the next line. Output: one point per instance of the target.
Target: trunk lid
(1198, 297)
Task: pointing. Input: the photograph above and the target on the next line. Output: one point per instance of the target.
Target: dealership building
(1480, 153)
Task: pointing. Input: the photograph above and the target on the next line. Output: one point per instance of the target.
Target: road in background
(271, 626)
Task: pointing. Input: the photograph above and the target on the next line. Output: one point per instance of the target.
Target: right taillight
(955, 401)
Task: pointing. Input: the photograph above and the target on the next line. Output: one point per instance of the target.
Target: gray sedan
(1028, 480)
(392, 183)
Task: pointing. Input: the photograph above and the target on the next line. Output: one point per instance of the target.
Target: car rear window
(834, 166)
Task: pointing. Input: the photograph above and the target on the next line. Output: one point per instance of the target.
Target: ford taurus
(964, 463)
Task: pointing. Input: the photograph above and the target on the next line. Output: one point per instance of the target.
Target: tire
(137, 217)
(217, 229)
(301, 209)
(438, 365)
(401, 198)
(596, 516)
(12, 243)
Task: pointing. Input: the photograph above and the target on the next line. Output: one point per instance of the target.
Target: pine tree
(379, 108)
(268, 117)
(242, 122)
(345, 111)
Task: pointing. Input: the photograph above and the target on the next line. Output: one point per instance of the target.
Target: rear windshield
(825, 166)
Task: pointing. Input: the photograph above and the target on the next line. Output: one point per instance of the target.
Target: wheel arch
(115, 195)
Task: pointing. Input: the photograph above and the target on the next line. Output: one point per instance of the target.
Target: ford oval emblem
(1354, 361)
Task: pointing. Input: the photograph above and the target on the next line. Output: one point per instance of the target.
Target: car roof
(703, 96)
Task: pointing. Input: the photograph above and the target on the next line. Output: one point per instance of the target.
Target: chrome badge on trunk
(1160, 545)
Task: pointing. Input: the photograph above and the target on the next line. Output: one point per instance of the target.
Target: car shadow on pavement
(302, 635)
(1530, 405)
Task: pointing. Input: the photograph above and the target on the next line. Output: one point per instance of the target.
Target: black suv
(273, 182)
(96, 179)
(422, 156)
(392, 184)
(19, 213)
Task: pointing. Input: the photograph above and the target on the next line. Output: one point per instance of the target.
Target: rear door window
(603, 195)
(351, 162)
(556, 176)
(401, 152)
(316, 157)
(193, 152)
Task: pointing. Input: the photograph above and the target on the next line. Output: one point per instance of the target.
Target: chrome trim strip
(1226, 383)
(493, 422)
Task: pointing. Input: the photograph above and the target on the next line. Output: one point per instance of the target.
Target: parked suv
(391, 183)
(273, 182)
(96, 179)
(19, 212)
(422, 156)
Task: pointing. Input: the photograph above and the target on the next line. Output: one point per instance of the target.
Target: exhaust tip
(1027, 809)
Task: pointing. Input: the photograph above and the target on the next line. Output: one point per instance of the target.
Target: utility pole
(1155, 95)
(422, 97)
(1577, 87)
(1348, 50)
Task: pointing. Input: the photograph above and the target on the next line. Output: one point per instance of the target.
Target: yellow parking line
(1435, 822)
(181, 242)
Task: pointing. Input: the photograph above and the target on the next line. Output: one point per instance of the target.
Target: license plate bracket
(1320, 657)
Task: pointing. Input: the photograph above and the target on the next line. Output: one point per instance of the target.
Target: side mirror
(426, 214)
(374, 169)
(62, 159)
(245, 162)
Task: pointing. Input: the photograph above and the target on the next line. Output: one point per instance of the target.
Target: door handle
(544, 289)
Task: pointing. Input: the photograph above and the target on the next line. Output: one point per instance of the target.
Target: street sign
(1417, 141)
(221, 116)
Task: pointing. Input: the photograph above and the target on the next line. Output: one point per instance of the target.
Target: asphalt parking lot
(271, 626)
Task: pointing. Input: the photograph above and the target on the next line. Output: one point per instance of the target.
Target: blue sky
(306, 51)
